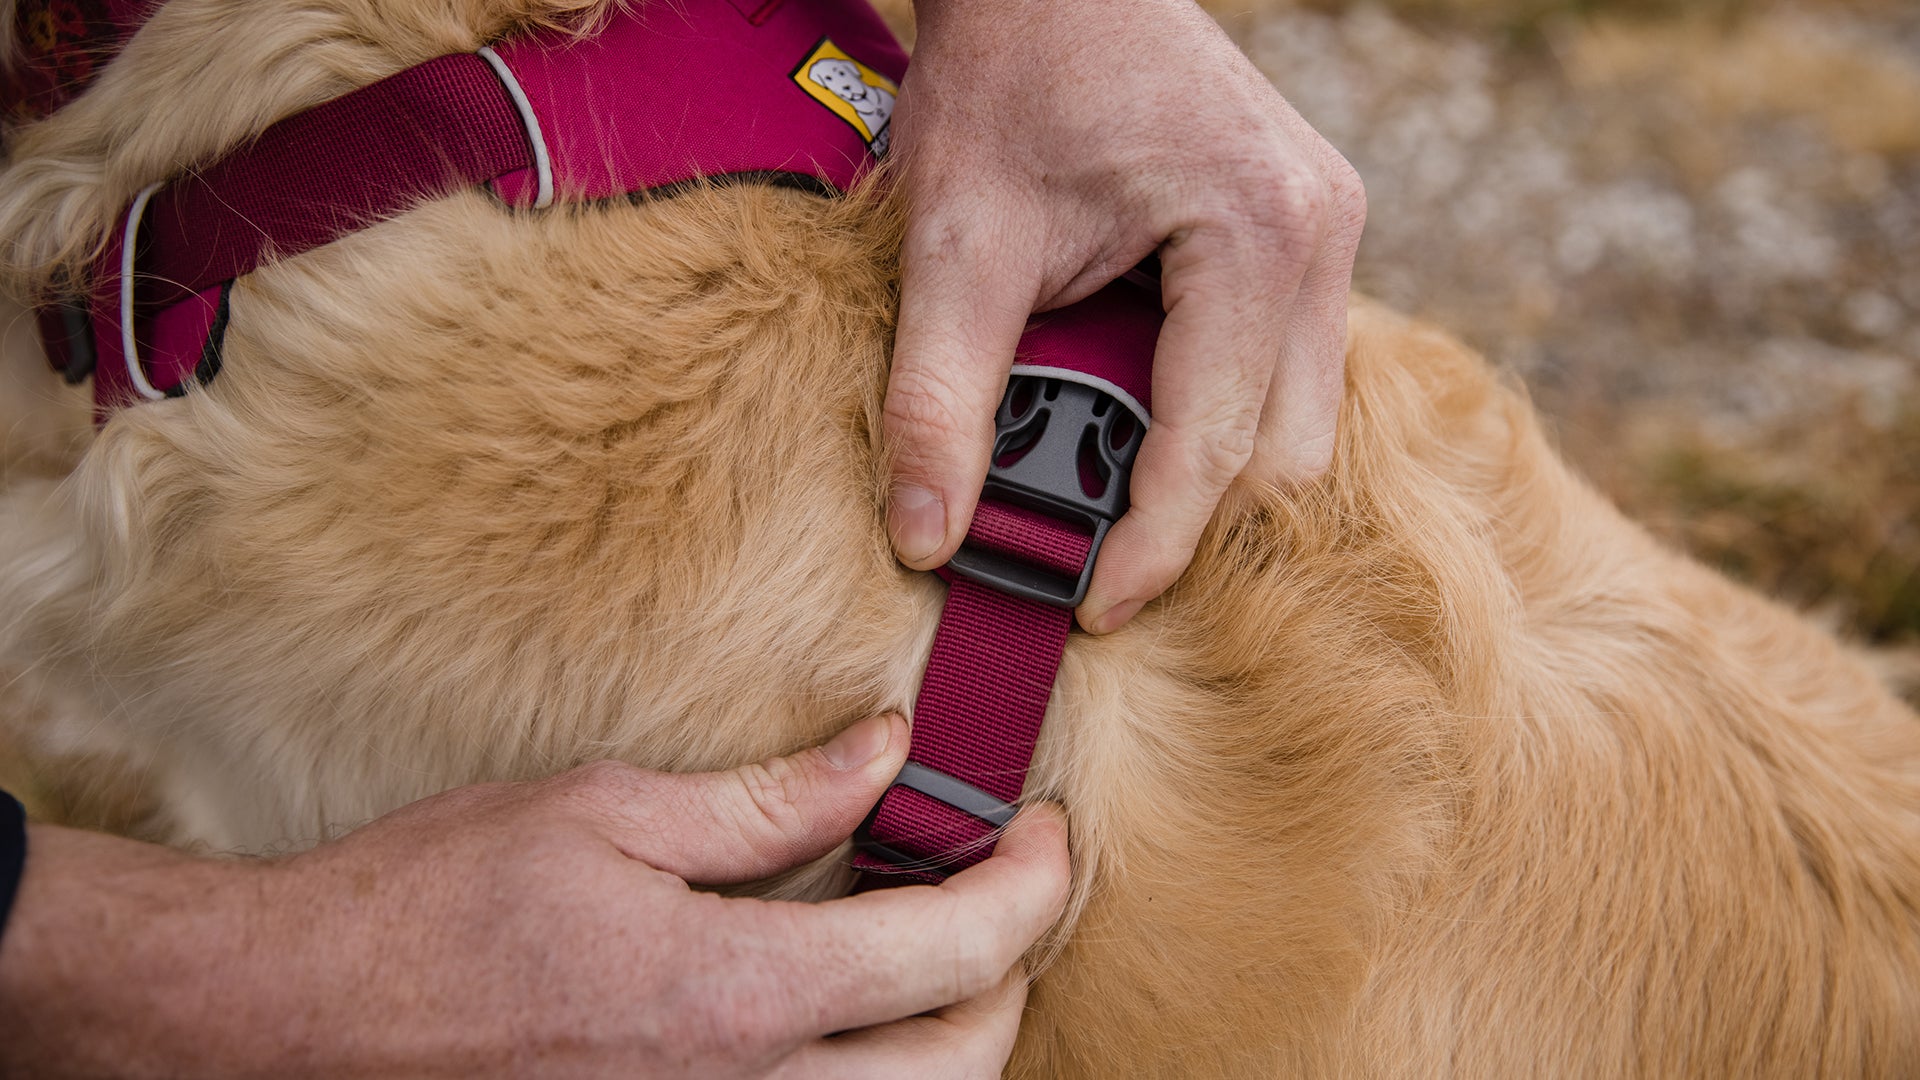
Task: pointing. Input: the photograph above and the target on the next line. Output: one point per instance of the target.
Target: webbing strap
(425, 132)
(978, 715)
(985, 691)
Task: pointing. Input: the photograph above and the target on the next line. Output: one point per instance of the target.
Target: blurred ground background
(1693, 228)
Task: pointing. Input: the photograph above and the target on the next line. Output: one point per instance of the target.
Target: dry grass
(1824, 512)
(1863, 94)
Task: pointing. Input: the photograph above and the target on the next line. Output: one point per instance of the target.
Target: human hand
(544, 927)
(1050, 145)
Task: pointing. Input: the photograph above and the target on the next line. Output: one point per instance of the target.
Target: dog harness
(661, 96)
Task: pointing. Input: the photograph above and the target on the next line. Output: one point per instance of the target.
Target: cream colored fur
(1438, 766)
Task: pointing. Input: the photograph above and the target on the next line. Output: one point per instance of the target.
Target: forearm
(540, 928)
(119, 952)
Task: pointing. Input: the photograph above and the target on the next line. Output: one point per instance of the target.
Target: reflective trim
(542, 164)
(129, 237)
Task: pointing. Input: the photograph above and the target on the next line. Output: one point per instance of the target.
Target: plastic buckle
(1064, 449)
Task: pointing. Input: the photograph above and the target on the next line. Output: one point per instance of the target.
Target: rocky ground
(1694, 230)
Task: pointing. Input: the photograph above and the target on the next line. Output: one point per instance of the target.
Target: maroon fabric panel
(1110, 335)
(676, 91)
(172, 342)
(310, 179)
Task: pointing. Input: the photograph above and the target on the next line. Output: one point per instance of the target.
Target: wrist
(119, 952)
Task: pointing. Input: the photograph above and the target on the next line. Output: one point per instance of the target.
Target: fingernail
(918, 521)
(859, 744)
(1116, 616)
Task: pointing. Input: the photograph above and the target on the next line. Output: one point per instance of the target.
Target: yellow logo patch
(855, 92)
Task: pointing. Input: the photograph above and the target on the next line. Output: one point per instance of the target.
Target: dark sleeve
(13, 852)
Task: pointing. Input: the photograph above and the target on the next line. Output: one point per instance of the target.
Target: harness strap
(425, 132)
(981, 701)
(1069, 413)
(788, 91)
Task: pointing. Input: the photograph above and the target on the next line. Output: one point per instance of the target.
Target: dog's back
(1437, 765)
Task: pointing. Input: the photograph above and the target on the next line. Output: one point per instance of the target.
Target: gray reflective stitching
(958, 794)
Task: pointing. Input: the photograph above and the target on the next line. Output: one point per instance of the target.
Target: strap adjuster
(941, 788)
(1064, 449)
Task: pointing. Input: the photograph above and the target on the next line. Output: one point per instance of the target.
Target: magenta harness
(790, 92)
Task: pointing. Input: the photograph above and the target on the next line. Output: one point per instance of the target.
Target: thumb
(755, 821)
(962, 310)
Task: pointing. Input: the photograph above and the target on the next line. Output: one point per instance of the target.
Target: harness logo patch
(855, 92)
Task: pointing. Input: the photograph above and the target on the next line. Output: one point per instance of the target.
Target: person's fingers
(901, 952)
(968, 1041)
(1298, 424)
(750, 822)
(963, 305)
(1228, 294)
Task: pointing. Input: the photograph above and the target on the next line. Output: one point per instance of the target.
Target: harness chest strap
(797, 92)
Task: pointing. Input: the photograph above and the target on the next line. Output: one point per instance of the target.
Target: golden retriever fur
(1436, 766)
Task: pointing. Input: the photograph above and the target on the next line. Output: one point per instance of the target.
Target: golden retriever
(1435, 766)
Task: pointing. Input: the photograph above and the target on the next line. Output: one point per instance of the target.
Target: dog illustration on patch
(873, 104)
(859, 95)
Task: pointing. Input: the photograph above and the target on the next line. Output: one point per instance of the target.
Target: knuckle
(1348, 208)
(1280, 216)
(985, 1047)
(944, 237)
(597, 791)
(983, 954)
(770, 805)
(601, 778)
(923, 409)
(1289, 197)
(1220, 453)
(954, 940)
(975, 968)
(1303, 196)
(596, 787)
